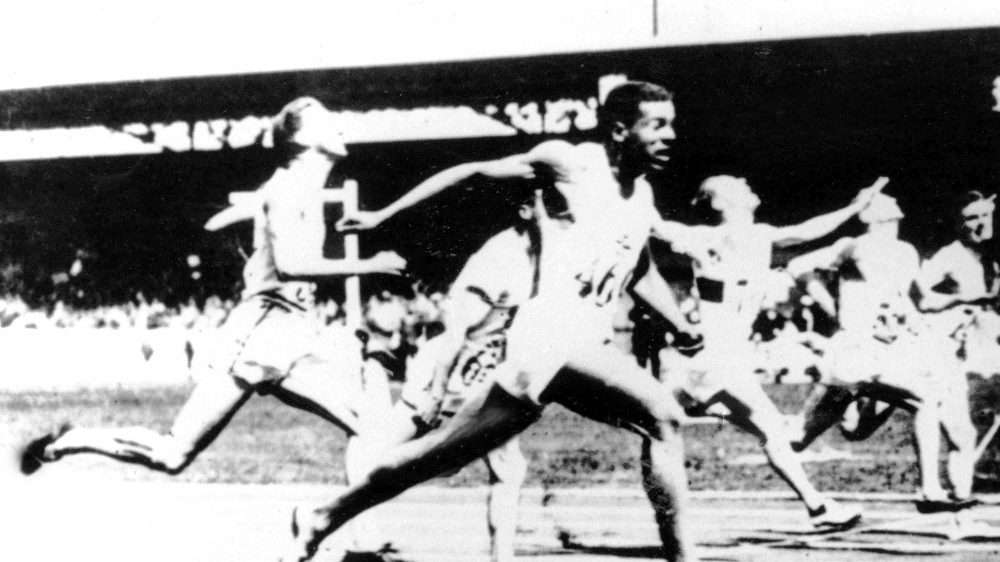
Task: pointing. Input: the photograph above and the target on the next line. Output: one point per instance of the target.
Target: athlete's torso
(592, 258)
(503, 273)
(730, 254)
(261, 275)
(875, 285)
(731, 268)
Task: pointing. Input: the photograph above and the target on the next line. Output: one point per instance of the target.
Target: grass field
(269, 442)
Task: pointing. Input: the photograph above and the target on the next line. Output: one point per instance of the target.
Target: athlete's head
(639, 118)
(729, 195)
(305, 123)
(996, 94)
(976, 216)
(882, 215)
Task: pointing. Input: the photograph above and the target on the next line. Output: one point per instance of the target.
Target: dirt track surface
(54, 518)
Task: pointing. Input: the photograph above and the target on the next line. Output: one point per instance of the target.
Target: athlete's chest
(734, 251)
(886, 263)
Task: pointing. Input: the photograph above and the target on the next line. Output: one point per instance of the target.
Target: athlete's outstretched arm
(803, 268)
(830, 257)
(818, 227)
(517, 166)
(297, 232)
(933, 272)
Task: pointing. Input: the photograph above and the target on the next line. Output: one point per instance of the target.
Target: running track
(58, 517)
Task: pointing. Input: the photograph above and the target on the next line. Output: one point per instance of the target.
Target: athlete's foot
(305, 541)
(369, 556)
(832, 516)
(944, 505)
(35, 453)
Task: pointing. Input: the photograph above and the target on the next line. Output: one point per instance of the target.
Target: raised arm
(803, 269)
(936, 270)
(296, 231)
(818, 227)
(517, 166)
(830, 257)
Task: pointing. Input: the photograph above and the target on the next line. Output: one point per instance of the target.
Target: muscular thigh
(544, 337)
(607, 385)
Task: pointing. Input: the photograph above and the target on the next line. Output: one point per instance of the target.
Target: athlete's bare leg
(211, 405)
(752, 411)
(927, 441)
(608, 386)
(507, 467)
(604, 386)
(486, 420)
(209, 408)
(824, 407)
(956, 421)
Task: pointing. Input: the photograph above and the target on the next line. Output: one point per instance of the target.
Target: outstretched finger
(879, 184)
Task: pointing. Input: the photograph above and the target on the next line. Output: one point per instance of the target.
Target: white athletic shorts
(922, 365)
(698, 381)
(547, 334)
(265, 339)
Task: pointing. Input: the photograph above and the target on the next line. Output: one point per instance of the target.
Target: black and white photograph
(549, 280)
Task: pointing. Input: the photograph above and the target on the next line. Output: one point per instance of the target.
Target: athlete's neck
(737, 218)
(625, 171)
(310, 168)
(884, 231)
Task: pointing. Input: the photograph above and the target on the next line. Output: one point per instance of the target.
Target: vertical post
(656, 17)
(352, 284)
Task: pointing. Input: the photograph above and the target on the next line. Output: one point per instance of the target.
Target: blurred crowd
(394, 325)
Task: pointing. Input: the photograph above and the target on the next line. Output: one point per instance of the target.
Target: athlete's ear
(619, 132)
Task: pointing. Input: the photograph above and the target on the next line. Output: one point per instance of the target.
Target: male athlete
(274, 344)
(959, 287)
(497, 279)
(559, 344)
(960, 283)
(732, 274)
(883, 353)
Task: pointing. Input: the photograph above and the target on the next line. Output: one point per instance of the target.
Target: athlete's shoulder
(948, 252)
(511, 239)
(553, 151)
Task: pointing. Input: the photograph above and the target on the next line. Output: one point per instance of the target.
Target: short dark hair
(288, 121)
(622, 103)
(968, 198)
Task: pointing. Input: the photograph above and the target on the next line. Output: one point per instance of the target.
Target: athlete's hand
(359, 220)
(427, 413)
(867, 195)
(387, 262)
(688, 341)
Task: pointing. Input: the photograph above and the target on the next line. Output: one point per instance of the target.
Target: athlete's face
(977, 222)
(649, 137)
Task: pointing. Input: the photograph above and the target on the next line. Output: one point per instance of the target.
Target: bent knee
(173, 457)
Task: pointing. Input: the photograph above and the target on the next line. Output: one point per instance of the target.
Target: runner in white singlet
(272, 343)
(884, 352)
(959, 288)
(482, 302)
(732, 272)
(559, 343)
